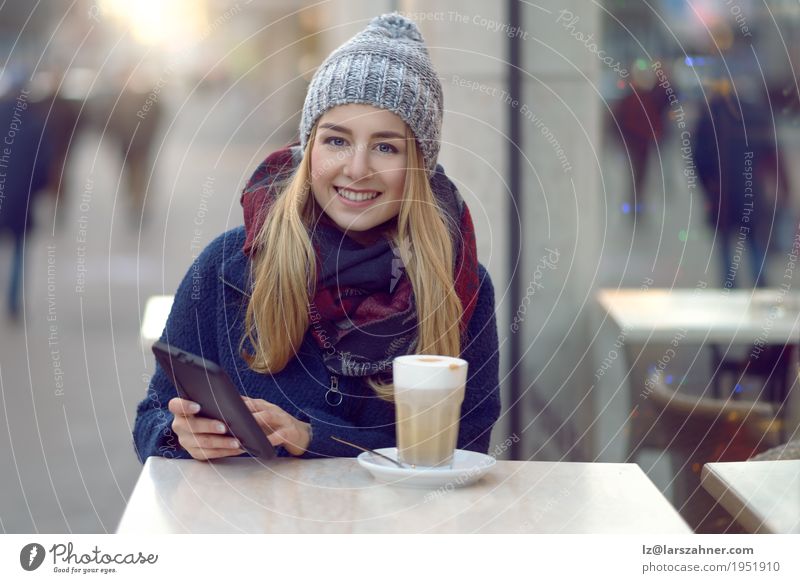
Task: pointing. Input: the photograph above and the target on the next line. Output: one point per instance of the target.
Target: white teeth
(356, 196)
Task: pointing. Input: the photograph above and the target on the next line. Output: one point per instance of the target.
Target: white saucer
(468, 467)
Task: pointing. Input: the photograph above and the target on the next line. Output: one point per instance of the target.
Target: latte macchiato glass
(428, 392)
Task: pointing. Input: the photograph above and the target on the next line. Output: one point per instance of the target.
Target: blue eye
(335, 141)
(387, 148)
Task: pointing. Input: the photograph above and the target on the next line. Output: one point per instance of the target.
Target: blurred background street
(154, 114)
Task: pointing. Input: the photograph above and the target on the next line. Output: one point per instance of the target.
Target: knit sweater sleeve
(324, 426)
(481, 407)
(190, 326)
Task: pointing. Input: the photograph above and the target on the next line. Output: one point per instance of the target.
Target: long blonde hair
(284, 271)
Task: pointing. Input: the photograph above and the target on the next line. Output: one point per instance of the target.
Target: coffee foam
(426, 372)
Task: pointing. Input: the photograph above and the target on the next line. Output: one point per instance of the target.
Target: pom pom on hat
(395, 26)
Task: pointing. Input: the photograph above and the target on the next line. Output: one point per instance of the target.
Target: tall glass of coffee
(429, 390)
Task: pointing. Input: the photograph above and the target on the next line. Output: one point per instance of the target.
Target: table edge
(731, 501)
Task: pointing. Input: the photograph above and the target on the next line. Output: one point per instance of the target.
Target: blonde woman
(356, 249)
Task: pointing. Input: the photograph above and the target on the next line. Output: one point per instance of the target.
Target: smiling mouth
(354, 196)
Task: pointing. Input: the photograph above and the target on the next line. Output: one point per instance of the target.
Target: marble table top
(704, 315)
(763, 496)
(242, 495)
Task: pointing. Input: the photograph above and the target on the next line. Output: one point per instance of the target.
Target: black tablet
(207, 384)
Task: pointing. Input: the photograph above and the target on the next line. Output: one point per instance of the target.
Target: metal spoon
(372, 451)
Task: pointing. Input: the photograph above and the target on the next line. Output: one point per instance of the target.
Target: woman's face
(358, 167)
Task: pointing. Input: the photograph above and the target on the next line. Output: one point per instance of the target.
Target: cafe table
(156, 312)
(763, 496)
(716, 318)
(704, 315)
(337, 495)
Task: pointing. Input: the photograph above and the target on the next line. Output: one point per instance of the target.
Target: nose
(357, 165)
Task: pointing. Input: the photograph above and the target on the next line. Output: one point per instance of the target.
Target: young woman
(356, 249)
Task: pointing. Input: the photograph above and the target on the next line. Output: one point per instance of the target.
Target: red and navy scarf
(363, 312)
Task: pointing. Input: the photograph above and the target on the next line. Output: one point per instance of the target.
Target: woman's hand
(203, 438)
(280, 427)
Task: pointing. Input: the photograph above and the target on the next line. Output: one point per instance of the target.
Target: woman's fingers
(270, 417)
(212, 454)
(271, 421)
(260, 405)
(183, 407)
(286, 437)
(275, 438)
(203, 438)
(204, 425)
(280, 427)
(205, 441)
(275, 423)
(194, 424)
(206, 446)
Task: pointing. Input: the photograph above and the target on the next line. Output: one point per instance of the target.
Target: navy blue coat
(207, 318)
(733, 144)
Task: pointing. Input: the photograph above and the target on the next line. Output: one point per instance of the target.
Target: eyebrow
(344, 130)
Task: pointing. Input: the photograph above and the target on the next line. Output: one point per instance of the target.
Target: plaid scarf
(363, 312)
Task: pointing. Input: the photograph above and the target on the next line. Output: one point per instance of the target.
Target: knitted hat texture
(386, 65)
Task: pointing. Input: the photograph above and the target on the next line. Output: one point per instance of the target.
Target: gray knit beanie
(385, 65)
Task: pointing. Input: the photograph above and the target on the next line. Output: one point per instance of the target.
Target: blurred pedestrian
(133, 118)
(61, 113)
(734, 148)
(24, 163)
(640, 115)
